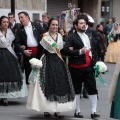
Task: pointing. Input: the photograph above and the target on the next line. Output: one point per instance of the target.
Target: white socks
(77, 103)
(93, 102)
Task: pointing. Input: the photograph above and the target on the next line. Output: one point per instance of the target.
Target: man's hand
(83, 50)
(28, 52)
(22, 46)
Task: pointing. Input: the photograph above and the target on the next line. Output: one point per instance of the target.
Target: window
(105, 9)
(36, 16)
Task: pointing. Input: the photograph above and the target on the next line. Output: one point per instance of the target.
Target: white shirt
(86, 27)
(31, 41)
(13, 23)
(85, 41)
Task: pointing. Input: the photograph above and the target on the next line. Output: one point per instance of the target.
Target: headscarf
(113, 31)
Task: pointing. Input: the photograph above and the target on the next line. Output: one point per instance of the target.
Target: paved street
(17, 110)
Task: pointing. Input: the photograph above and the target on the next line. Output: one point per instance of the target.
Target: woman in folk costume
(53, 90)
(11, 78)
(113, 49)
(114, 92)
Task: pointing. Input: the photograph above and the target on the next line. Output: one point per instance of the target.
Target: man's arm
(18, 41)
(68, 48)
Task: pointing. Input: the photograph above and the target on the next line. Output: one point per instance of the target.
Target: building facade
(100, 10)
(35, 8)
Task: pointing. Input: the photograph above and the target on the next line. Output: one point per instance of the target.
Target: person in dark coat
(29, 35)
(83, 57)
(102, 42)
(90, 32)
(44, 23)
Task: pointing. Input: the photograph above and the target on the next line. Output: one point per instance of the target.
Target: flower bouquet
(100, 67)
(36, 65)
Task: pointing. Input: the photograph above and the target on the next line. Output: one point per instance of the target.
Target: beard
(81, 30)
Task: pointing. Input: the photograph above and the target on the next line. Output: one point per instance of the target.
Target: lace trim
(61, 99)
(21, 73)
(42, 75)
(7, 87)
(70, 82)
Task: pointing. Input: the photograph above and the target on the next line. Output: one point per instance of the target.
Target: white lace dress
(51, 88)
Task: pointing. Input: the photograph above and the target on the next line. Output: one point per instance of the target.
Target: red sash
(34, 50)
(88, 62)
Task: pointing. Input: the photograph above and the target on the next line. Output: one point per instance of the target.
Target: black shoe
(58, 116)
(27, 83)
(1, 101)
(78, 115)
(95, 115)
(47, 114)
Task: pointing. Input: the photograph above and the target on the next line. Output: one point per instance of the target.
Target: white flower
(35, 63)
(102, 67)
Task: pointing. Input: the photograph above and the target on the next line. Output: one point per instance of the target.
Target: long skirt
(115, 107)
(12, 84)
(51, 89)
(113, 51)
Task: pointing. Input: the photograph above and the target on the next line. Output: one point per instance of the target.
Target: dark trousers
(27, 66)
(86, 75)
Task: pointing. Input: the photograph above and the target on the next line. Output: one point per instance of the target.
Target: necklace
(55, 39)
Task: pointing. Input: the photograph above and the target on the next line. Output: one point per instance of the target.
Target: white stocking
(93, 102)
(77, 103)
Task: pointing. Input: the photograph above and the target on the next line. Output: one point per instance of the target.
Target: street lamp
(13, 6)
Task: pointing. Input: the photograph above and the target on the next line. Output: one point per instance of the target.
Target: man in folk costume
(90, 30)
(29, 35)
(81, 49)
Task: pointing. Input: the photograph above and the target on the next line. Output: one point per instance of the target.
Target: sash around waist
(88, 62)
(34, 50)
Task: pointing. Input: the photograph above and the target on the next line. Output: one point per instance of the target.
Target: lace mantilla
(62, 91)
